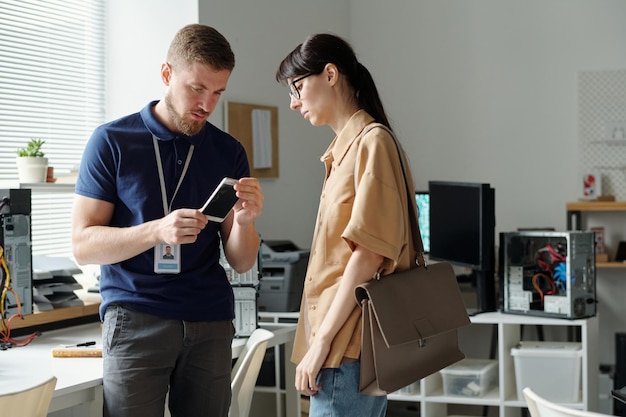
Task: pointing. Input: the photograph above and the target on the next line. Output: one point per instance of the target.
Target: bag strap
(415, 228)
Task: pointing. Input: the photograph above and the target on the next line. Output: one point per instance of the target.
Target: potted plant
(32, 165)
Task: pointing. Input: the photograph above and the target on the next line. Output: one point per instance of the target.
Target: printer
(283, 267)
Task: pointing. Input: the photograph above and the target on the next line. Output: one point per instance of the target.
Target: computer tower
(16, 244)
(246, 310)
(246, 292)
(548, 273)
(15, 239)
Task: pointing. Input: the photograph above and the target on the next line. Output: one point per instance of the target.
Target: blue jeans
(145, 356)
(339, 396)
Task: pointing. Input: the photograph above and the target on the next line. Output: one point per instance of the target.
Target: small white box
(470, 377)
(551, 369)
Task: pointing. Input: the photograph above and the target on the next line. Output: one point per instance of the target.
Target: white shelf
(500, 318)
(434, 403)
(46, 187)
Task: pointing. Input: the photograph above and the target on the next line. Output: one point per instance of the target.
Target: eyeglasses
(294, 92)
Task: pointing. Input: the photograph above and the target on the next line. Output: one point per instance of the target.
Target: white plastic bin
(470, 377)
(409, 389)
(551, 369)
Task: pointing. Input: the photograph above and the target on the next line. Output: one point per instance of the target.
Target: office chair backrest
(29, 402)
(540, 407)
(246, 371)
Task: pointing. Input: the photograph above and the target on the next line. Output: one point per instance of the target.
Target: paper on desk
(55, 265)
(61, 299)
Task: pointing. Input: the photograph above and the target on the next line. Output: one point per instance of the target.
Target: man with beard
(167, 327)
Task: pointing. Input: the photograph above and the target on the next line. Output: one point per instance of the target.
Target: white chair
(28, 402)
(246, 371)
(540, 407)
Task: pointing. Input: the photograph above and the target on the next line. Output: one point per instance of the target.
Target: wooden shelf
(597, 206)
(90, 308)
(614, 265)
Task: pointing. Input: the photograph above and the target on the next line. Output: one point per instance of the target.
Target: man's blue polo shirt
(119, 166)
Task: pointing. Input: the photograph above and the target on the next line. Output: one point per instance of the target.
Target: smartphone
(221, 201)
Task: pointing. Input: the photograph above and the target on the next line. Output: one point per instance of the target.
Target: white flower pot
(32, 169)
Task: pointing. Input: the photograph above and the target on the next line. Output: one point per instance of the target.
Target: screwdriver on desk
(84, 344)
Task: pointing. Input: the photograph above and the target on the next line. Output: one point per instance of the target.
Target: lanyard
(168, 207)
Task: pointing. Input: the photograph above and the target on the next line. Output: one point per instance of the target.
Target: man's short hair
(202, 44)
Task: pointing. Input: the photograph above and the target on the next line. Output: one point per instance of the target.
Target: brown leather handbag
(410, 320)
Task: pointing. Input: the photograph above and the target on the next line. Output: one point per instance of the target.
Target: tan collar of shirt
(339, 147)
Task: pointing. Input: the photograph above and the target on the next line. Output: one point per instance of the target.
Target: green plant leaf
(33, 148)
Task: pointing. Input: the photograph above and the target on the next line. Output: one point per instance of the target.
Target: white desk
(78, 378)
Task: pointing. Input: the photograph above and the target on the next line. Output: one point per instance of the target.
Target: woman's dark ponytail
(368, 97)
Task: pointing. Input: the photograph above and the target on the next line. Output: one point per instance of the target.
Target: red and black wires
(550, 261)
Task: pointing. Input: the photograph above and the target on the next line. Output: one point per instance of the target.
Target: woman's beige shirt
(363, 202)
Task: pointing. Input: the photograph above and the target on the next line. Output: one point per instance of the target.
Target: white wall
(486, 90)
(139, 33)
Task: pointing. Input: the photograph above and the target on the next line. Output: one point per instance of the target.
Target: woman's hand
(309, 368)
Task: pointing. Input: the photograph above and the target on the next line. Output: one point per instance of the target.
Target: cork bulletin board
(256, 127)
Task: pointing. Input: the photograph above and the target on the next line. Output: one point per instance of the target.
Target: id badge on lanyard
(167, 257)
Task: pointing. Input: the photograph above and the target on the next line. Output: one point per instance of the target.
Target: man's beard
(189, 128)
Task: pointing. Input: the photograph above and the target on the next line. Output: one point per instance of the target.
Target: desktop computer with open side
(15, 239)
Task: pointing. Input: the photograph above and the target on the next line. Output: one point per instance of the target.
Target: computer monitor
(462, 223)
(422, 198)
(462, 232)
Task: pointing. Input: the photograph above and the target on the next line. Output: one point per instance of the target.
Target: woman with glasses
(363, 225)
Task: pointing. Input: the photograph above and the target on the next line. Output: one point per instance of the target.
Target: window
(52, 55)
